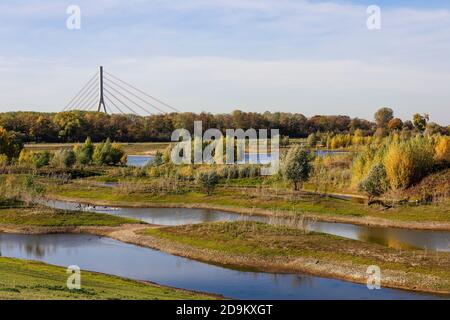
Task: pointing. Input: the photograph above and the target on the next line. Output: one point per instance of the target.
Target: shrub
(84, 152)
(41, 159)
(25, 157)
(312, 140)
(442, 149)
(35, 159)
(3, 160)
(284, 142)
(407, 162)
(375, 184)
(207, 181)
(296, 167)
(64, 158)
(364, 162)
(158, 160)
(107, 153)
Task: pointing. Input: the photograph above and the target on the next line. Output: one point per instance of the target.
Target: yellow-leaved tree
(442, 149)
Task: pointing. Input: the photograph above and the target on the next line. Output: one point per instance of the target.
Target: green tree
(312, 140)
(10, 143)
(64, 158)
(84, 152)
(383, 116)
(107, 153)
(41, 159)
(296, 167)
(420, 122)
(70, 125)
(375, 184)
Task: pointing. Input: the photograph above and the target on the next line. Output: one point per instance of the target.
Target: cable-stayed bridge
(107, 93)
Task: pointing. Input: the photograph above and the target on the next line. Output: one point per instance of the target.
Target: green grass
(20, 279)
(268, 242)
(130, 148)
(245, 198)
(46, 217)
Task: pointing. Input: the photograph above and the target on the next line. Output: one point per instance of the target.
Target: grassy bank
(269, 248)
(263, 200)
(47, 217)
(21, 279)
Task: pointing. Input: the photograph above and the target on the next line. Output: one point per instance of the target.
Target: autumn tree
(420, 121)
(383, 116)
(395, 124)
(10, 144)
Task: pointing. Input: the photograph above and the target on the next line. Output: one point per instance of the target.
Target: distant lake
(141, 161)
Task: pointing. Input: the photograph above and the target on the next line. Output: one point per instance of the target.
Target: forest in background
(76, 126)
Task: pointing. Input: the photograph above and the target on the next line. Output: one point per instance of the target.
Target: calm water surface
(141, 161)
(113, 257)
(391, 237)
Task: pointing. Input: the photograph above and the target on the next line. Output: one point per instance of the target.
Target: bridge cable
(142, 92)
(93, 103)
(124, 96)
(81, 99)
(92, 93)
(82, 89)
(109, 92)
(137, 97)
(110, 101)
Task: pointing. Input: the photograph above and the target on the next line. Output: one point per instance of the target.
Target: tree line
(76, 126)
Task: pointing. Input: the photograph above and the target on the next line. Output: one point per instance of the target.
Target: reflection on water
(161, 216)
(391, 237)
(113, 257)
(141, 161)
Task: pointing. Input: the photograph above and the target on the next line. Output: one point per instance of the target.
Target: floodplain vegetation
(390, 173)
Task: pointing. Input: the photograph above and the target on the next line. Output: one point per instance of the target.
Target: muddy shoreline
(129, 233)
(364, 221)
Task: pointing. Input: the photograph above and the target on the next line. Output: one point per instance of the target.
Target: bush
(3, 160)
(296, 167)
(364, 162)
(158, 160)
(84, 152)
(442, 149)
(312, 140)
(64, 158)
(107, 153)
(284, 142)
(408, 162)
(207, 181)
(35, 159)
(375, 184)
(41, 159)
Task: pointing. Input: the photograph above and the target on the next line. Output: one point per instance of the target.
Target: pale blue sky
(312, 57)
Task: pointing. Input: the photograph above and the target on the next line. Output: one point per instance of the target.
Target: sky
(311, 57)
